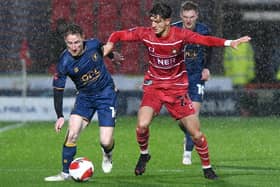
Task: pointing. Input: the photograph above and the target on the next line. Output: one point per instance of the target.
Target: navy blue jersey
(95, 85)
(88, 71)
(195, 55)
(196, 58)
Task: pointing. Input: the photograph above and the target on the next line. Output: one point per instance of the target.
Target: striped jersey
(166, 54)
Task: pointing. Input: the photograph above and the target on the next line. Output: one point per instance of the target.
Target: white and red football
(81, 169)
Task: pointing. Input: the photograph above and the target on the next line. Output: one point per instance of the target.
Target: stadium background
(25, 26)
(244, 151)
(33, 20)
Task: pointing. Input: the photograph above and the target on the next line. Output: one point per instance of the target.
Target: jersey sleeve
(58, 102)
(59, 78)
(133, 34)
(195, 38)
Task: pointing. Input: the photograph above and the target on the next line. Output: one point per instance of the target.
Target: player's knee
(106, 141)
(142, 129)
(197, 136)
(143, 124)
(72, 137)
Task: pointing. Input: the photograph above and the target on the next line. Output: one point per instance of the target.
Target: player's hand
(58, 124)
(205, 74)
(234, 44)
(118, 58)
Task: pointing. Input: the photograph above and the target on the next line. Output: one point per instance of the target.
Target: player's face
(74, 43)
(189, 18)
(160, 25)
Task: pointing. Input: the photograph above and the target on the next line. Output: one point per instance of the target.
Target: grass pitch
(244, 152)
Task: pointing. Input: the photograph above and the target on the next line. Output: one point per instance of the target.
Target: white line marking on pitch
(10, 127)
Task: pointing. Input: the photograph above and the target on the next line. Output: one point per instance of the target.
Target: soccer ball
(81, 169)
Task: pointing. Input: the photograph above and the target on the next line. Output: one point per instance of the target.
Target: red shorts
(177, 102)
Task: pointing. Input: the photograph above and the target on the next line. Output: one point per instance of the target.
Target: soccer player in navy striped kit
(197, 58)
(83, 63)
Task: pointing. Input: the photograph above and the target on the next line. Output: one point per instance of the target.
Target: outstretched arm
(193, 37)
(123, 35)
(107, 48)
(234, 43)
(115, 56)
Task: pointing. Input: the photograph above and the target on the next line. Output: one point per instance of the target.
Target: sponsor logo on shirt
(90, 76)
(166, 61)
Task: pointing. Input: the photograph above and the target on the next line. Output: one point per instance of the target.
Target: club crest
(94, 57)
(76, 69)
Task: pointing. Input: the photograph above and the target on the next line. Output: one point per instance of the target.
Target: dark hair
(189, 5)
(73, 28)
(61, 26)
(161, 9)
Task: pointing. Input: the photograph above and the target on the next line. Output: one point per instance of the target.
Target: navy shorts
(103, 102)
(196, 88)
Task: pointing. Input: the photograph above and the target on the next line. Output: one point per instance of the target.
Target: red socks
(142, 136)
(201, 147)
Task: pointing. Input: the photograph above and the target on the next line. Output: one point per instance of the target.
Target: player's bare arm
(107, 48)
(205, 74)
(115, 56)
(234, 43)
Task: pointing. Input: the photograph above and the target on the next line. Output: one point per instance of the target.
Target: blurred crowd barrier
(38, 105)
(220, 99)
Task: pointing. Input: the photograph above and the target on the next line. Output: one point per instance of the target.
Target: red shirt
(167, 68)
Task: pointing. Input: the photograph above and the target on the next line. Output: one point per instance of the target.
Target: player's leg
(70, 145)
(150, 106)
(107, 145)
(183, 110)
(145, 116)
(106, 104)
(76, 124)
(192, 124)
(188, 147)
(196, 92)
(188, 142)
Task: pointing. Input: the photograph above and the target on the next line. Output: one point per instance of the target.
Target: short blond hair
(189, 5)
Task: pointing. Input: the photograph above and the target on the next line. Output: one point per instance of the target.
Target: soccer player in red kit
(165, 82)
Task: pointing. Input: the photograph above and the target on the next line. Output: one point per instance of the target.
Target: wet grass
(244, 152)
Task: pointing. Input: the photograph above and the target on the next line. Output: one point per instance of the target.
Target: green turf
(244, 152)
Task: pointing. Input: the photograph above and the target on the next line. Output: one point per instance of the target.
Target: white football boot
(187, 158)
(187, 155)
(60, 177)
(107, 163)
